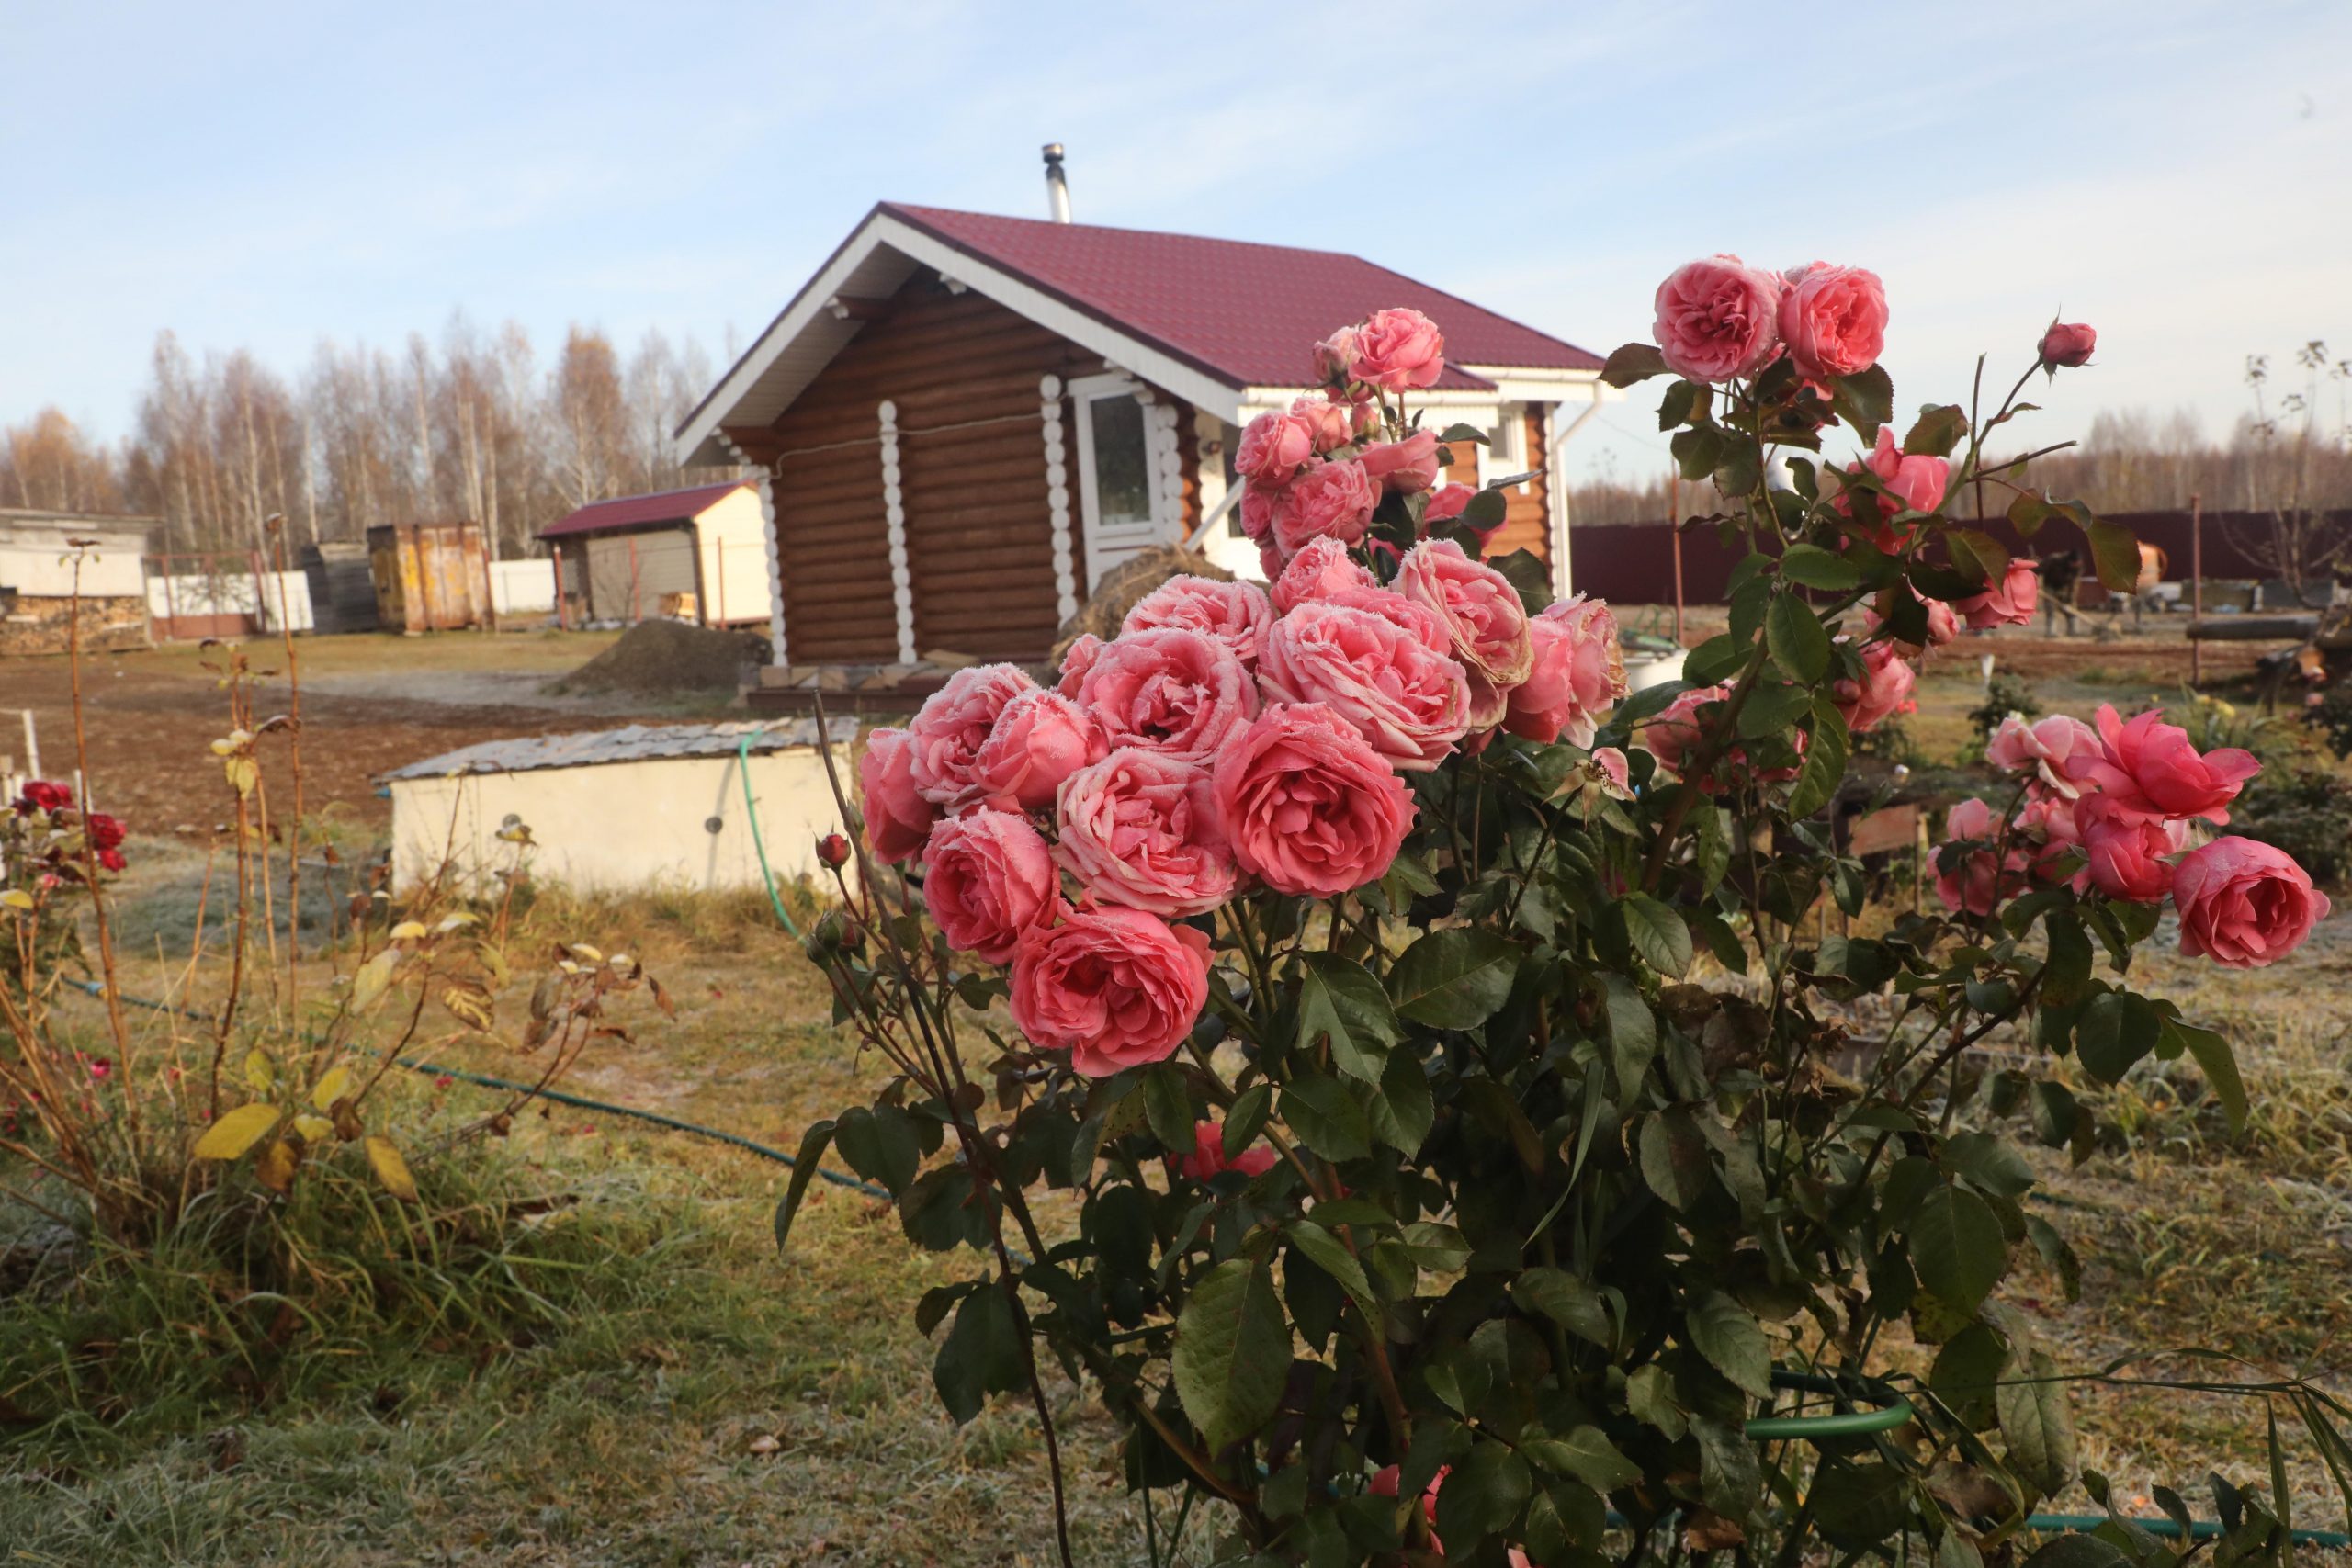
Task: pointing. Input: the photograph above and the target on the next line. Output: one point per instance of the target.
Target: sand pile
(668, 657)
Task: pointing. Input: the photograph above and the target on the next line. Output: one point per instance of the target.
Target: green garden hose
(759, 848)
(1892, 1411)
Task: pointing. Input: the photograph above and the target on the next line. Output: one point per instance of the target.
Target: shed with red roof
(699, 554)
(962, 421)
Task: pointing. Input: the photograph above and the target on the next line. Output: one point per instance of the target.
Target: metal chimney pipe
(1056, 184)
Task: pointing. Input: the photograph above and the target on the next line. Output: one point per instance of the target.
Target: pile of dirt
(670, 659)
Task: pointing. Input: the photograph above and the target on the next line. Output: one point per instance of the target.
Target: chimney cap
(1053, 152)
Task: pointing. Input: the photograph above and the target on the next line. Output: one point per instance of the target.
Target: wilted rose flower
(1273, 447)
(1333, 356)
(2043, 749)
(988, 879)
(1483, 617)
(1577, 673)
(1171, 690)
(2009, 603)
(2050, 832)
(1976, 881)
(1328, 423)
(1319, 570)
(1235, 614)
(1410, 704)
(1397, 351)
(2153, 766)
(1307, 806)
(1403, 467)
(1612, 773)
(898, 818)
(1140, 828)
(1207, 1157)
(1329, 500)
(1716, 319)
(1882, 690)
(1040, 739)
(1116, 988)
(2243, 904)
(2068, 343)
(1833, 318)
(2127, 849)
(953, 723)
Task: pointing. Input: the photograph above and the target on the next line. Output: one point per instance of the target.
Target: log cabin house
(962, 421)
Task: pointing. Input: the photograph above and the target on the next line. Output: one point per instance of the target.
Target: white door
(1122, 449)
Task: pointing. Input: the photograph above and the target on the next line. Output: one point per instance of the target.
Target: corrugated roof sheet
(630, 743)
(637, 511)
(1246, 313)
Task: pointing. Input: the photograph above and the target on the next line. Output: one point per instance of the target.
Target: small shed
(429, 577)
(644, 805)
(695, 554)
(343, 595)
(39, 581)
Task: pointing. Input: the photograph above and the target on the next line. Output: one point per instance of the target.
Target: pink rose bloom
(1976, 882)
(1942, 626)
(1328, 423)
(1397, 351)
(1116, 988)
(1577, 675)
(1318, 571)
(1140, 828)
(1363, 417)
(1077, 660)
(898, 818)
(2068, 343)
(2009, 603)
(1403, 467)
(1833, 318)
(1270, 559)
(1410, 704)
(1309, 807)
(2149, 765)
(1333, 356)
(2243, 904)
(1329, 500)
(988, 879)
(1040, 739)
(1718, 319)
(1676, 735)
(1915, 480)
(1258, 513)
(2043, 749)
(1207, 1157)
(1171, 690)
(1882, 690)
(2127, 849)
(1408, 615)
(1235, 614)
(953, 725)
(2048, 824)
(1449, 502)
(1483, 617)
(1273, 447)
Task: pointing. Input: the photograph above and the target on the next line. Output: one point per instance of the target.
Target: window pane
(1121, 471)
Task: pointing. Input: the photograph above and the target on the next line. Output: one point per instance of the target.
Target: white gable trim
(882, 231)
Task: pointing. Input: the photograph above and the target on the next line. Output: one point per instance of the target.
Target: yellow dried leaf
(375, 977)
(275, 1170)
(494, 962)
(16, 898)
(331, 1087)
(314, 1129)
(408, 931)
(451, 923)
(391, 1169)
(236, 1132)
(259, 1074)
(467, 1006)
(243, 775)
(581, 950)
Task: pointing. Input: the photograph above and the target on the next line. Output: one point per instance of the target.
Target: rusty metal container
(429, 577)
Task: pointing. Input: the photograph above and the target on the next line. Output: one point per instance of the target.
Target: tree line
(473, 427)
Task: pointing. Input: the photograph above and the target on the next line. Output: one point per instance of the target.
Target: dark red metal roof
(638, 511)
(1246, 314)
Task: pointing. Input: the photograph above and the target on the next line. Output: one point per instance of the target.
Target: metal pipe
(1056, 184)
(2196, 588)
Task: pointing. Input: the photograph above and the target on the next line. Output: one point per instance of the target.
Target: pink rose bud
(2243, 904)
(2009, 603)
(1882, 690)
(1327, 422)
(2068, 343)
(1450, 501)
(1329, 500)
(1403, 467)
(1976, 882)
(1717, 317)
(1207, 1157)
(1333, 356)
(833, 850)
(1273, 447)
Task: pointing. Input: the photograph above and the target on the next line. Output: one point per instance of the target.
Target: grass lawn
(656, 1386)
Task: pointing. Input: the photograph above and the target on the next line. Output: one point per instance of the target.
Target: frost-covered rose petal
(1410, 704)
(1170, 690)
(1235, 613)
(953, 724)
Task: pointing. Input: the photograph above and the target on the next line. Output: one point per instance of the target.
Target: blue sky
(265, 175)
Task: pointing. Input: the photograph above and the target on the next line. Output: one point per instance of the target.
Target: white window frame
(1506, 453)
(1083, 392)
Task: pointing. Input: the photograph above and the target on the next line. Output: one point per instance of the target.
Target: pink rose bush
(1405, 1014)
